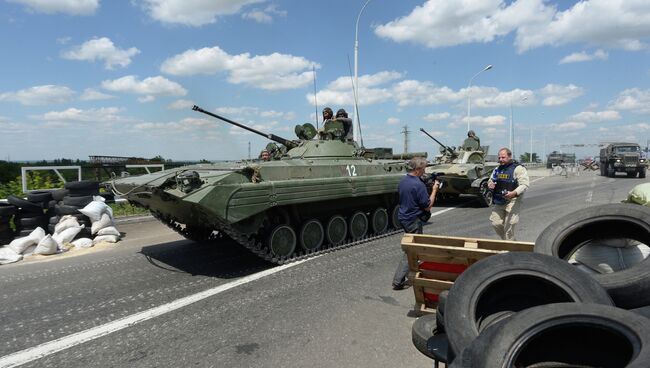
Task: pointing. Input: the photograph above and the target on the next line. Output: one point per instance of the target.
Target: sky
(119, 78)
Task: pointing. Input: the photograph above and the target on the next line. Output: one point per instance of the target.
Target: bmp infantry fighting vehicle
(317, 195)
(622, 157)
(462, 170)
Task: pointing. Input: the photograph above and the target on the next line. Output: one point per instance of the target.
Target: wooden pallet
(436, 261)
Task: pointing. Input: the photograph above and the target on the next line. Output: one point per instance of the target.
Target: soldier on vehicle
(414, 206)
(472, 142)
(342, 116)
(508, 183)
(328, 114)
(264, 155)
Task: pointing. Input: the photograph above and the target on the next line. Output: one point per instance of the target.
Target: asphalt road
(139, 303)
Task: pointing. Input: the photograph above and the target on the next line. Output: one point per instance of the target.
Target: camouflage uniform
(505, 216)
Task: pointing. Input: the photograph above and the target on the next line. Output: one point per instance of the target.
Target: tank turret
(323, 192)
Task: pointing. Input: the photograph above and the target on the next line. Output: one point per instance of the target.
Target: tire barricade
(541, 308)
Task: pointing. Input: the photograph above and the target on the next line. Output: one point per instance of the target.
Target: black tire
(39, 196)
(485, 194)
(512, 282)
(394, 220)
(33, 222)
(58, 194)
(80, 201)
(82, 185)
(629, 288)
(7, 209)
(440, 310)
(644, 311)
(24, 205)
(423, 329)
(563, 335)
(82, 192)
(62, 209)
(642, 174)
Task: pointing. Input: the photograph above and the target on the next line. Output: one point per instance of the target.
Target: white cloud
(440, 23)
(568, 126)
(578, 57)
(39, 95)
(91, 94)
(265, 15)
(180, 105)
(70, 7)
(271, 72)
(150, 87)
(102, 49)
(633, 99)
(436, 116)
(172, 128)
(249, 112)
(339, 91)
(195, 12)
(72, 115)
(597, 116)
(393, 121)
(554, 94)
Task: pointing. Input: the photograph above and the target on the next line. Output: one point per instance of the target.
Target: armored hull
(320, 194)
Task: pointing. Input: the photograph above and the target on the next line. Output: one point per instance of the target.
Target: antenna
(313, 73)
(406, 133)
(356, 105)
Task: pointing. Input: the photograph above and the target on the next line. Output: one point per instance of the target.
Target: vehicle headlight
(642, 160)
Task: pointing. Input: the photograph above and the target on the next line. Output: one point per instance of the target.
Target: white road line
(51, 347)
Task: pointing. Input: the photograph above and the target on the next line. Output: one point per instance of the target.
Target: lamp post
(511, 142)
(355, 89)
(468, 94)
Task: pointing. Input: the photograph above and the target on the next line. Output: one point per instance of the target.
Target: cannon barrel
(288, 143)
(447, 148)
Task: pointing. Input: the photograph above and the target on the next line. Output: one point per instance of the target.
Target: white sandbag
(19, 245)
(106, 238)
(67, 235)
(95, 209)
(104, 221)
(109, 230)
(46, 246)
(640, 194)
(9, 256)
(65, 222)
(82, 243)
(99, 198)
(29, 251)
(37, 234)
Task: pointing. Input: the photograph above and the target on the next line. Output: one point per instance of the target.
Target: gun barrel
(437, 141)
(273, 137)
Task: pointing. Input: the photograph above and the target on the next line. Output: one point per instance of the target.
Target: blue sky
(96, 77)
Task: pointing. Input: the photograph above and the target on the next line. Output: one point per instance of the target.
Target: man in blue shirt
(414, 203)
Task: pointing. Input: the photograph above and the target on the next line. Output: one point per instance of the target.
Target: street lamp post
(469, 95)
(356, 124)
(511, 142)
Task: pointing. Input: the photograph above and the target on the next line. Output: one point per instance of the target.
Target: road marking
(589, 195)
(54, 346)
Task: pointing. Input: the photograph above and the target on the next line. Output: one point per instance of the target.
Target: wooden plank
(444, 276)
(450, 251)
(460, 242)
(428, 257)
(432, 283)
(471, 244)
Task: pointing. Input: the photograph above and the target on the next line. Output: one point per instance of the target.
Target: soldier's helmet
(341, 113)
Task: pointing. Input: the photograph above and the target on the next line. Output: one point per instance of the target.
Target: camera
(429, 179)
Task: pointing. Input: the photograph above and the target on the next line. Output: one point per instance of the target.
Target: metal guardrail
(25, 169)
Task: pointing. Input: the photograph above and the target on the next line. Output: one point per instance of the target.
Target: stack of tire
(7, 211)
(31, 212)
(75, 196)
(525, 309)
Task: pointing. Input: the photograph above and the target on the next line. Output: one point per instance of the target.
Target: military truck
(557, 158)
(622, 157)
(463, 171)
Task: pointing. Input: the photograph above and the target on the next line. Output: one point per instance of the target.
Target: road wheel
(642, 173)
(336, 230)
(379, 221)
(485, 194)
(394, 219)
(311, 235)
(358, 225)
(630, 288)
(563, 335)
(282, 241)
(610, 171)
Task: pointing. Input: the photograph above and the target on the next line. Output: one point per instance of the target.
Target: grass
(127, 209)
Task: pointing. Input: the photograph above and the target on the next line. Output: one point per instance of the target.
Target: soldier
(414, 204)
(472, 142)
(264, 155)
(342, 116)
(508, 183)
(328, 114)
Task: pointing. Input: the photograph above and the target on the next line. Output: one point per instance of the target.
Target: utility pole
(406, 133)
(249, 150)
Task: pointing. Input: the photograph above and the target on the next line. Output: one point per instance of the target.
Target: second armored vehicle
(318, 194)
(463, 171)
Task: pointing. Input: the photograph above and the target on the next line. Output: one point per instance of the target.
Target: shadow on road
(220, 258)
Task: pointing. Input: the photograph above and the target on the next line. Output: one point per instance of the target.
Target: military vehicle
(622, 157)
(463, 171)
(321, 193)
(557, 158)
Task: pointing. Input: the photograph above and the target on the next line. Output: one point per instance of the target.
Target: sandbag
(95, 209)
(104, 221)
(67, 235)
(46, 246)
(66, 222)
(110, 230)
(106, 238)
(7, 255)
(640, 194)
(20, 245)
(82, 243)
